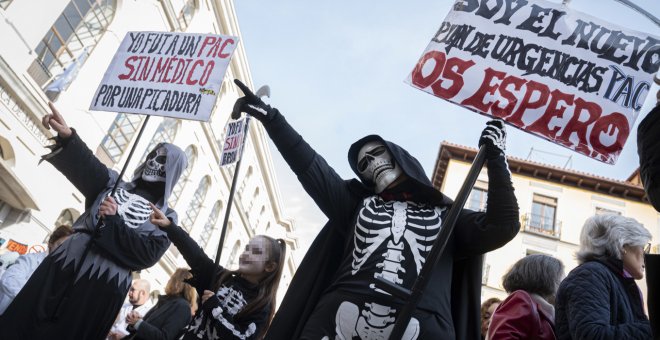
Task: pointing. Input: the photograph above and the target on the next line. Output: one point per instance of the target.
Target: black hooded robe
(57, 304)
(648, 147)
(452, 305)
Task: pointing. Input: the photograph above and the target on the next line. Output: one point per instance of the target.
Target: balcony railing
(541, 225)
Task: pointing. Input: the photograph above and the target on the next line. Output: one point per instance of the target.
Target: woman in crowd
(487, 309)
(236, 304)
(527, 313)
(600, 299)
(166, 320)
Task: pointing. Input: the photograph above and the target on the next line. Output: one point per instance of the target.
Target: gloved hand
(252, 105)
(494, 136)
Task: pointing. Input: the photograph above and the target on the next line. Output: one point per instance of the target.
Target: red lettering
(129, 65)
(418, 79)
(207, 41)
(189, 81)
(527, 103)
(207, 73)
(453, 70)
(224, 44)
(578, 126)
(477, 99)
(542, 125)
(502, 112)
(609, 125)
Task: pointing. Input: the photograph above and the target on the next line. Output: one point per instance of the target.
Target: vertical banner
(559, 74)
(234, 138)
(167, 74)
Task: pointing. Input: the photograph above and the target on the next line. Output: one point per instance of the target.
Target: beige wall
(574, 206)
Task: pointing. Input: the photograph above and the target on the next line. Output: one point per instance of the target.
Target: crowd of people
(380, 226)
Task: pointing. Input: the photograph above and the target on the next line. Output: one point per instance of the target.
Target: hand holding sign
(252, 105)
(494, 136)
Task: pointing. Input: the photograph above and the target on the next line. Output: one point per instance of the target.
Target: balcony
(541, 225)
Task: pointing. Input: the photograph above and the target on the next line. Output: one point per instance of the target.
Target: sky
(336, 70)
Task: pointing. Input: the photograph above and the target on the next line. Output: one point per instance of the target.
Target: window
(196, 203)
(120, 134)
(477, 199)
(602, 211)
(165, 133)
(210, 225)
(234, 252)
(191, 154)
(543, 214)
(185, 14)
(80, 26)
(67, 217)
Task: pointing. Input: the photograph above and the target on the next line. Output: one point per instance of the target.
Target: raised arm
(478, 232)
(203, 269)
(71, 156)
(322, 183)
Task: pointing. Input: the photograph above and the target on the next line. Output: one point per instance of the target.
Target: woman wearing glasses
(599, 299)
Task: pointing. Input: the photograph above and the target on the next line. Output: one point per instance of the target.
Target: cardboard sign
(234, 137)
(556, 73)
(166, 74)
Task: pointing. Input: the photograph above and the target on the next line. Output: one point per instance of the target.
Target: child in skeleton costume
(77, 296)
(648, 148)
(383, 227)
(236, 304)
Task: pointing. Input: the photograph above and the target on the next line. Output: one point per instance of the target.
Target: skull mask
(376, 165)
(154, 169)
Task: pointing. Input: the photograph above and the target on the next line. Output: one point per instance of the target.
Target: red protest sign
(558, 74)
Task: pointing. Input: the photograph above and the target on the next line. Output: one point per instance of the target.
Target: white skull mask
(154, 169)
(376, 165)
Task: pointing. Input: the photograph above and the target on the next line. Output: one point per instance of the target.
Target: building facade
(60, 52)
(554, 203)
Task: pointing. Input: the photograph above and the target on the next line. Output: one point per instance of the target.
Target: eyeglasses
(647, 248)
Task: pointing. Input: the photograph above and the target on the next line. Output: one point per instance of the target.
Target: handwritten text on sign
(166, 74)
(234, 134)
(563, 75)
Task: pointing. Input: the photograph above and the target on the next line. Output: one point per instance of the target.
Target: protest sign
(234, 135)
(166, 74)
(563, 75)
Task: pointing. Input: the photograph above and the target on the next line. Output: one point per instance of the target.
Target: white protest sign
(234, 135)
(166, 74)
(563, 75)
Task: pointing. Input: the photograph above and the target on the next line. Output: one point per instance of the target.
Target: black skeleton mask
(376, 165)
(154, 169)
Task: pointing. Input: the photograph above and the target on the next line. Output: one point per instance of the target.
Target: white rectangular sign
(234, 135)
(565, 76)
(166, 74)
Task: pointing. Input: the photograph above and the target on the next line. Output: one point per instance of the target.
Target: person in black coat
(599, 299)
(384, 226)
(166, 320)
(648, 148)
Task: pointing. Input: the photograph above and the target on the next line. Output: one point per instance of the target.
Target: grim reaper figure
(383, 226)
(78, 289)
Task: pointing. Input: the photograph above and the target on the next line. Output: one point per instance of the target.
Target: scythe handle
(439, 245)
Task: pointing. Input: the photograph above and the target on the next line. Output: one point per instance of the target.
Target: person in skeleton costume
(79, 288)
(648, 148)
(383, 227)
(236, 304)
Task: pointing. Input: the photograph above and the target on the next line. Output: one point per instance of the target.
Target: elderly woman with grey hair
(599, 299)
(527, 313)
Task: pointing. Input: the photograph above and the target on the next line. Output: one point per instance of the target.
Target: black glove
(252, 105)
(494, 136)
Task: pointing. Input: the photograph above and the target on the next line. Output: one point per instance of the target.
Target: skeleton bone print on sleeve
(401, 227)
(133, 209)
